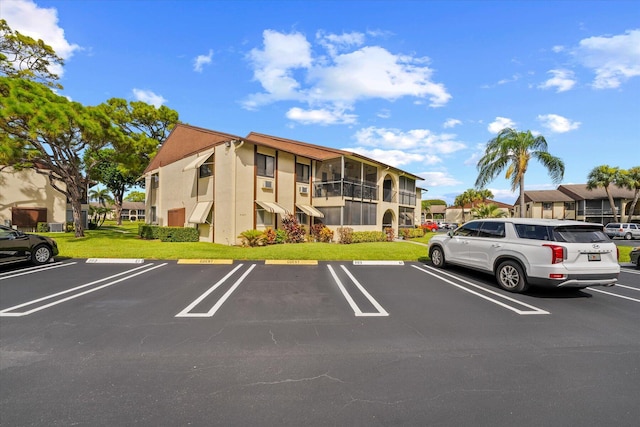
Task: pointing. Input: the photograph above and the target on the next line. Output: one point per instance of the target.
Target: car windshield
(579, 234)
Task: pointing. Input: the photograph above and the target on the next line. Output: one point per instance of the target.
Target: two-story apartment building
(576, 201)
(224, 184)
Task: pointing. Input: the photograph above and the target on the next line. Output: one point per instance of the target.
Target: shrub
(252, 238)
(42, 227)
(321, 233)
(390, 234)
(295, 232)
(345, 235)
(168, 234)
(368, 236)
(281, 236)
(410, 233)
(269, 236)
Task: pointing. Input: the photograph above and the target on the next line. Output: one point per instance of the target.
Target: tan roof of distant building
(580, 192)
(545, 196)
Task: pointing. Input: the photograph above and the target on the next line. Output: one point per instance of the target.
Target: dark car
(635, 256)
(16, 246)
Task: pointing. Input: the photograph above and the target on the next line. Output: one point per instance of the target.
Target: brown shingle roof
(186, 140)
(545, 196)
(580, 192)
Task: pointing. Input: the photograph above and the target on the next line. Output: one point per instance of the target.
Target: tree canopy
(48, 133)
(26, 58)
(512, 150)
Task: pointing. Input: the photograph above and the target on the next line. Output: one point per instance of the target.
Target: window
(302, 217)
(570, 206)
(492, 229)
(469, 229)
(302, 173)
(206, 169)
(266, 165)
(406, 217)
(535, 232)
(547, 206)
(264, 217)
(331, 215)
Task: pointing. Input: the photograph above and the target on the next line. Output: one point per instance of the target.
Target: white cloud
(395, 158)
(419, 140)
(557, 124)
(614, 59)
(439, 179)
(288, 71)
(384, 113)
(451, 123)
(149, 97)
(201, 61)
(562, 80)
(500, 123)
(39, 23)
(320, 116)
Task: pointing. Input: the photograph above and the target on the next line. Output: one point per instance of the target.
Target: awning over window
(198, 161)
(200, 213)
(272, 207)
(310, 210)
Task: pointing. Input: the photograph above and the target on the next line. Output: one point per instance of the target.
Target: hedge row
(168, 234)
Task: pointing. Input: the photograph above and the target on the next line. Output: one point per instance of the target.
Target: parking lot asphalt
(328, 343)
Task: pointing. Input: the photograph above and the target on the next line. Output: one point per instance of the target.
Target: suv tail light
(558, 253)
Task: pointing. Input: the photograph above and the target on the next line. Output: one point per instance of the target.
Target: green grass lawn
(112, 241)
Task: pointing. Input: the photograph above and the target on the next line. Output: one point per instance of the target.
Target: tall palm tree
(102, 196)
(512, 150)
(631, 179)
(604, 176)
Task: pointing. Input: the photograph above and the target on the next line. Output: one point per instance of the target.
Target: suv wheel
(511, 277)
(437, 257)
(41, 254)
(628, 236)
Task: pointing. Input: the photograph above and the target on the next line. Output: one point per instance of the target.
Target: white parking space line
(356, 310)
(616, 295)
(626, 287)
(31, 270)
(187, 311)
(533, 310)
(9, 312)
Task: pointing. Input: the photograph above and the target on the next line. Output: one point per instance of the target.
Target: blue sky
(420, 85)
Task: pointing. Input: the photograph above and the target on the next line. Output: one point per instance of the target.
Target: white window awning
(200, 213)
(272, 207)
(199, 160)
(310, 210)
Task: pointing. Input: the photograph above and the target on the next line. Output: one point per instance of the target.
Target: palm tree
(604, 176)
(631, 179)
(490, 210)
(512, 150)
(102, 196)
(471, 196)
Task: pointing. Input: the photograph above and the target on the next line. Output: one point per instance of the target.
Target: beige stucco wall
(29, 189)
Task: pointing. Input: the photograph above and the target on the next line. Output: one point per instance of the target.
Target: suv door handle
(496, 245)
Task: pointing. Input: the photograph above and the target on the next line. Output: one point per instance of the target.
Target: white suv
(525, 251)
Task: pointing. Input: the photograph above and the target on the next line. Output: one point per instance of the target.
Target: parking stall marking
(10, 312)
(532, 310)
(31, 270)
(356, 310)
(617, 295)
(187, 311)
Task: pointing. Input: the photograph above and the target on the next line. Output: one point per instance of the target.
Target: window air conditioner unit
(303, 189)
(267, 184)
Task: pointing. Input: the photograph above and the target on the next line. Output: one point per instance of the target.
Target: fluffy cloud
(419, 140)
(562, 80)
(395, 158)
(614, 59)
(451, 123)
(557, 124)
(500, 123)
(439, 179)
(39, 23)
(320, 116)
(287, 71)
(149, 97)
(201, 61)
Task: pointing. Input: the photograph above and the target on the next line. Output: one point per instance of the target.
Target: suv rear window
(612, 225)
(569, 234)
(580, 234)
